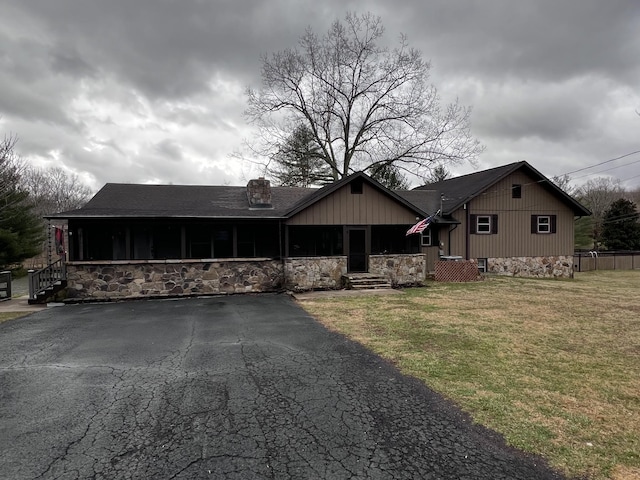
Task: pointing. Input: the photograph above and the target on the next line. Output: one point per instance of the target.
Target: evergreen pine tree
(620, 227)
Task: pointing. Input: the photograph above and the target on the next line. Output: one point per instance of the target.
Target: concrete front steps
(365, 281)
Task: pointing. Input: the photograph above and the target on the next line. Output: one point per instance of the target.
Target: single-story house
(147, 240)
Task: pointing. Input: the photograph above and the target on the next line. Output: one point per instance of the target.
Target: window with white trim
(544, 224)
(426, 238)
(482, 265)
(483, 224)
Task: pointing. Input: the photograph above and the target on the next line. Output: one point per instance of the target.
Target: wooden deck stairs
(45, 283)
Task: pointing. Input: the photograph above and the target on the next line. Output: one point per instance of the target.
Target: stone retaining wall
(314, 273)
(540, 267)
(401, 270)
(143, 278)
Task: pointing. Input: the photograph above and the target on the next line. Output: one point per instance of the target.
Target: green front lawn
(553, 365)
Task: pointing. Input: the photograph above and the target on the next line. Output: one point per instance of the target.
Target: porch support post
(80, 244)
(284, 248)
(234, 236)
(183, 242)
(367, 246)
(128, 246)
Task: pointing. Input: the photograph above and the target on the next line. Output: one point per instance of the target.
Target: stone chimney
(259, 193)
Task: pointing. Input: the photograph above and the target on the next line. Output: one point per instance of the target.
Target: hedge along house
(512, 220)
(153, 240)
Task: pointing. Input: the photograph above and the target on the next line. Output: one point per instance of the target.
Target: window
(482, 265)
(426, 238)
(312, 241)
(356, 186)
(390, 239)
(543, 224)
(516, 190)
(198, 242)
(223, 242)
(484, 224)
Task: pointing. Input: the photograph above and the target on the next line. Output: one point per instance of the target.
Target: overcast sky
(152, 91)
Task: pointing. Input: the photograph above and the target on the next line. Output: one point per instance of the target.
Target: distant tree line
(614, 221)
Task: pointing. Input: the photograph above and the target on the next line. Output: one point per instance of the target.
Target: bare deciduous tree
(564, 183)
(598, 195)
(54, 190)
(11, 166)
(366, 105)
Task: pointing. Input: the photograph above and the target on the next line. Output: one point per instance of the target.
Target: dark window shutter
(473, 219)
(494, 224)
(435, 240)
(534, 223)
(553, 224)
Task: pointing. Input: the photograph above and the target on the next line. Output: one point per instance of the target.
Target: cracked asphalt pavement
(239, 387)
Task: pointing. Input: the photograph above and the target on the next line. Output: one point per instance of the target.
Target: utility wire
(607, 169)
(602, 163)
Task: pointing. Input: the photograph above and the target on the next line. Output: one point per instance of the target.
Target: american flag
(419, 227)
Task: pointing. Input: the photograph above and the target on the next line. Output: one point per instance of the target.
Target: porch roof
(117, 200)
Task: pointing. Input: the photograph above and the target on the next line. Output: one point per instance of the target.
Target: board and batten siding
(371, 207)
(514, 237)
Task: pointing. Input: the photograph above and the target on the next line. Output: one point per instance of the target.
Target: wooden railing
(5, 285)
(40, 280)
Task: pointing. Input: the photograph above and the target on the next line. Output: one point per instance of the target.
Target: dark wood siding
(514, 237)
(371, 207)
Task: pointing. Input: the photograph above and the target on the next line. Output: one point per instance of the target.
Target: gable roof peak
(462, 189)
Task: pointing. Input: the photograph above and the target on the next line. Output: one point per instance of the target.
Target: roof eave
(149, 217)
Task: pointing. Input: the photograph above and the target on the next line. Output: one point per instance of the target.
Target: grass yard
(553, 365)
(10, 316)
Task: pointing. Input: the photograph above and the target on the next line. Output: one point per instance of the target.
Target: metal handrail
(40, 280)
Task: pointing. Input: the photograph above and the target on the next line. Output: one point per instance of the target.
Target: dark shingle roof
(160, 201)
(459, 190)
(426, 200)
(117, 200)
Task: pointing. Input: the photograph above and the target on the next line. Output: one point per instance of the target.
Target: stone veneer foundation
(314, 273)
(401, 270)
(540, 267)
(150, 278)
(121, 279)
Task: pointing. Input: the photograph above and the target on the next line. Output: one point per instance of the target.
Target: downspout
(449, 241)
(467, 230)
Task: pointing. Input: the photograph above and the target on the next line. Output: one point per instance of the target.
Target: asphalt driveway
(227, 387)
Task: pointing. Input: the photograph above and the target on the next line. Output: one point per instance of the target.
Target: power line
(607, 169)
(602, 163)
